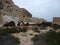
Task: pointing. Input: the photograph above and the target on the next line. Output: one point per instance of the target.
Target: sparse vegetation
(35, 38)
(35, 29)
(53, 38)
(13, 30)
(6, 38)
(56, 26)
(24, 29)
(1, 5)
(10, 30)
(49, 38)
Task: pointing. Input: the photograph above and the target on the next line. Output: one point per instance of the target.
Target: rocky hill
(7, 7)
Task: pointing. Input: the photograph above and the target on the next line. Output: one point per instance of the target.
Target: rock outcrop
(7, 7)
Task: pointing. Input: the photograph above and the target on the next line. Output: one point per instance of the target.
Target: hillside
(7, 7)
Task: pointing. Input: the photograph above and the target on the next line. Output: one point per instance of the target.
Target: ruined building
(56, 20)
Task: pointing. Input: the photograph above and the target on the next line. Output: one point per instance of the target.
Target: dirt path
(25, 38)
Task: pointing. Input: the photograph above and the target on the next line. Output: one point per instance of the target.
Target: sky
(46, 9)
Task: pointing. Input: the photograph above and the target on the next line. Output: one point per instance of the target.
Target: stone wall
(56, 20)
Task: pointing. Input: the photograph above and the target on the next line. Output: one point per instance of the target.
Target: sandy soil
(25, 38)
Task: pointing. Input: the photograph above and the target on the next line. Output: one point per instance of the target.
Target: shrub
(24, 29)
(56, 26)
(9, 40)
(53, 38)
(5, 31)
(35, 29)
(35, 38)
(11, 30)
(49, 38)
(6, 38)
(1, 5)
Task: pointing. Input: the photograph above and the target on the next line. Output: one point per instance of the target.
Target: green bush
(35, 29)
(15, 29)
(35, 38)
(11, 30)
(5, 31)
(6, 38)
(1, 5)
(9, 40)
(49, 38)
(53, 38)
(56, 26)
(24, 29)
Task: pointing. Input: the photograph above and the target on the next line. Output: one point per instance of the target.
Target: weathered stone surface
(56, 20)
(7, 7)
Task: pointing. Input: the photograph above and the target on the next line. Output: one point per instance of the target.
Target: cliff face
(7, 7)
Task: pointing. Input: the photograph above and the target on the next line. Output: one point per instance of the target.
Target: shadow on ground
(9, 40)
